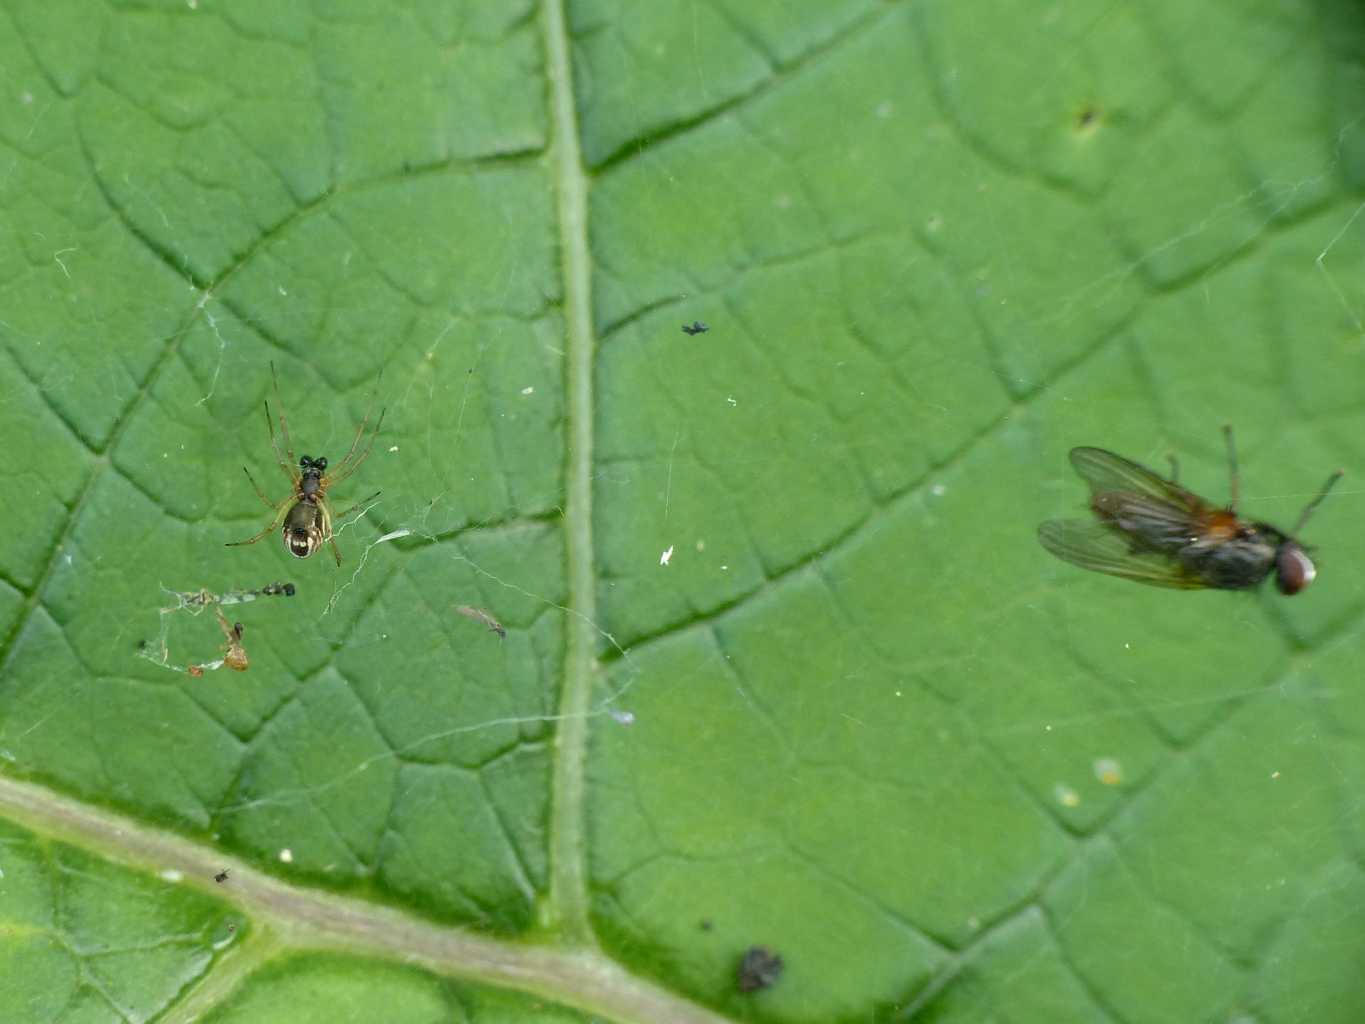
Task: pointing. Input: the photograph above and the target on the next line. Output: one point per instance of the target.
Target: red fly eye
(1294, 570)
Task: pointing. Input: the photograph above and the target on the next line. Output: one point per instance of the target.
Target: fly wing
(1154, 513)
(1101, 548)
(1106, 472)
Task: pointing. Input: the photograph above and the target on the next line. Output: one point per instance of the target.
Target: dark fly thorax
(1233, 563)
(1217, 559)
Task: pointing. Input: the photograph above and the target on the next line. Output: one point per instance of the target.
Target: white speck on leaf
(286, 856)
(663, 559)
(172, 875)
(1066, 796)
(528, 391)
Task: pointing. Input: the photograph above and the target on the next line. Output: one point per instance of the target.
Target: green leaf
(655, 647)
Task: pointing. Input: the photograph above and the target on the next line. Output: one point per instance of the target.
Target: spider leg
(291, 466)
(369, 411)
(347, 467)
(274, 524)
(357, 505)
(272, 505)
(336, 552)
(287, 465)
(355, 443)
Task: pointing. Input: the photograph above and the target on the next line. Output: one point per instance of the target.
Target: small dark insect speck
(759, 968)
(706, 924)
(695, 327)
(221, 877)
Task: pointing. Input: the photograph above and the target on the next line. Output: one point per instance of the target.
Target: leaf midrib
(568, 875)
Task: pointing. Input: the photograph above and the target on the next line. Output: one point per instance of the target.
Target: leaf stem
(296, 917)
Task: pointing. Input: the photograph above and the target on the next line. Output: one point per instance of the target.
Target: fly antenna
(1308, 509)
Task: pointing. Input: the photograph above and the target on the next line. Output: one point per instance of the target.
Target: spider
(304, 511)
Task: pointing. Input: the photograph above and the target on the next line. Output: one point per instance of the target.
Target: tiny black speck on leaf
(221, 877)
(759, 968)
(695, 327)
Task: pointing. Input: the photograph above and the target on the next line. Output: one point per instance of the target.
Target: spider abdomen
(305, 528)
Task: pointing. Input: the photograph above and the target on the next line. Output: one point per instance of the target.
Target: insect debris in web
(479, 615)
(694, 328)
(234, 654)
(305, 512)
(196, 602)
(221, 877)
(1151, 530)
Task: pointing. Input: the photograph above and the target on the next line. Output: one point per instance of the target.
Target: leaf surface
(783, 663)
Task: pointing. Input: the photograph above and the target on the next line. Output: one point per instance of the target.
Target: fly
(1151, 530)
